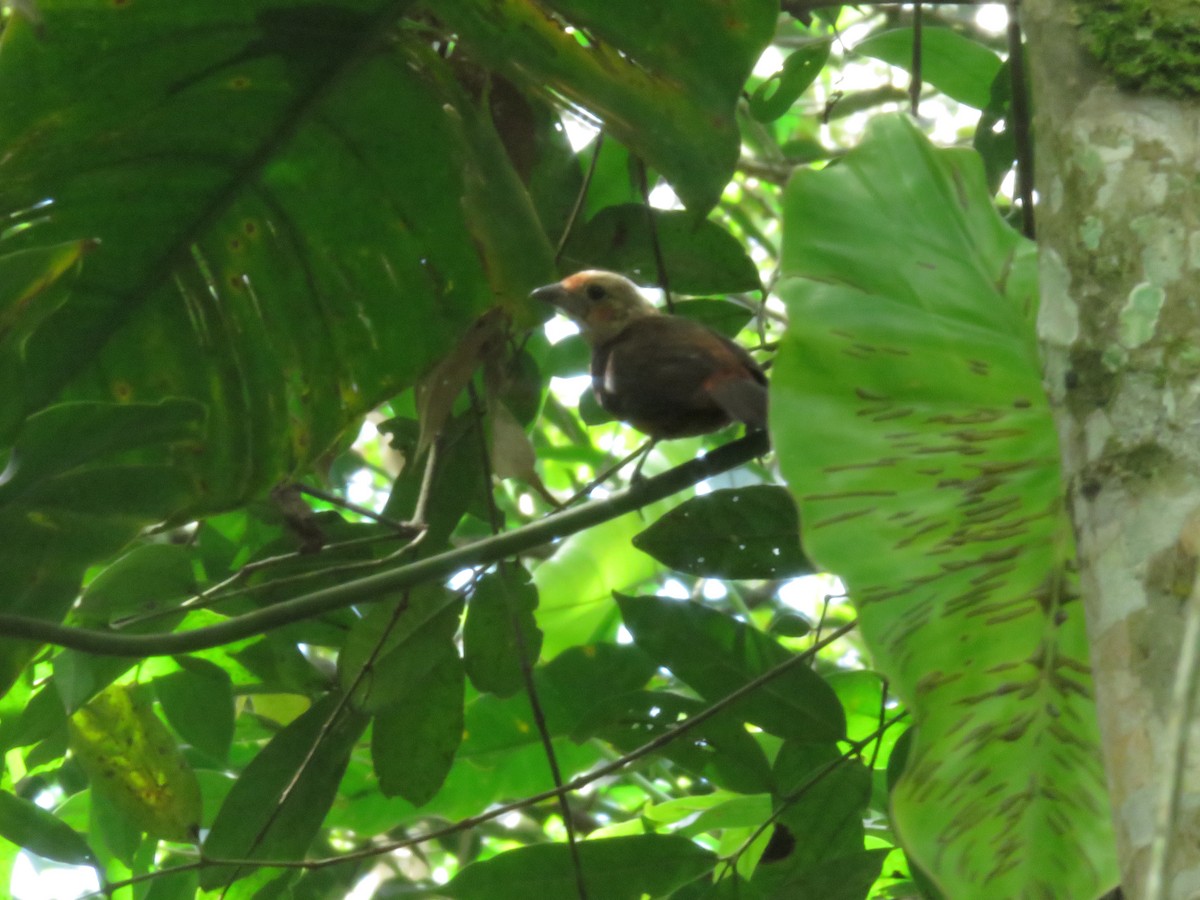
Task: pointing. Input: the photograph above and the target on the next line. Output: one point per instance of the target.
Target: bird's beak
(551, 293)
(560, 297)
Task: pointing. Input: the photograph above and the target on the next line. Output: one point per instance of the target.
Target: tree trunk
(1119, 233)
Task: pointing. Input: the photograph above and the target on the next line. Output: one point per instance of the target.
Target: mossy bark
(1145, 45)
(1119, 233)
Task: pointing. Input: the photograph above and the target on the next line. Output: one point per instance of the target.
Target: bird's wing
(679, 364)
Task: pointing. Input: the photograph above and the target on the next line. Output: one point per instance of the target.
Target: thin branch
(1019, 120)
(914, 83)
(377, 586)
(406, 529)
(790, 798)
(766, 170)
(1182, 713)
(664, 279)
(523, 654)
(573, 217)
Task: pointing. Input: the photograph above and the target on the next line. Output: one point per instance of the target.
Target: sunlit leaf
(132, 759)
(934, 491)
(953, 63)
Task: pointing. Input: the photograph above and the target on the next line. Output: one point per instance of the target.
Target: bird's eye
(595, 291)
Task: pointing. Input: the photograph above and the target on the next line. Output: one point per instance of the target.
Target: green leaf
(414, 738)
(994, 139)
(620, 868)
(146, 579)
(114, 832)
(132, 759)
(279, 801)
(198, 702)
(74, 491)
(401, 663)
(934, 492)
(575, 586)
(719, 315)
(663, 77)
(501, 603)
(959, 67)
(699, 256)
(749, 532)
(104, 433)
(775, 96)
(821, 802)
(288, 198)
(719, 749)
(716, 654)
(849, 877)
(29, 826)
(397, 645)
(822, 798)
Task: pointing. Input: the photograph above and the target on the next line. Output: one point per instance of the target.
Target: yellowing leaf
(132, 758)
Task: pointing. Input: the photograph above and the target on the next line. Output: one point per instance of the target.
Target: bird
(667, 376)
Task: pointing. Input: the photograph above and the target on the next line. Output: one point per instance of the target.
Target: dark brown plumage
(666, 376)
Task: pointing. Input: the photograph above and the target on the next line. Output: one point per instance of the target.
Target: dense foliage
(256, 647)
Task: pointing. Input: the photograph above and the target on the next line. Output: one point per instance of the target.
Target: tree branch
(378, 586)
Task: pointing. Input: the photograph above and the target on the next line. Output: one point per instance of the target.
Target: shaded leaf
(778, 92)
(633, 71)
(393, 648)
(716, 654)
(279, 801)
(994, 139)
(289, 199)
(438, 390)
(502, 602)
(29, 826)
(414, 738)
(620, 868)
(718, 749)
(719, 315)
(198, 702)
(700, 257)
(147, 578)
(748, 532)
(837, 878)
(822, 798)
(401, 663)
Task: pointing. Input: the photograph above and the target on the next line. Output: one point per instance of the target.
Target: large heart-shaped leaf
(911, 424)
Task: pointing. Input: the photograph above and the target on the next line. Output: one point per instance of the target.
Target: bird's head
(602, 303)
